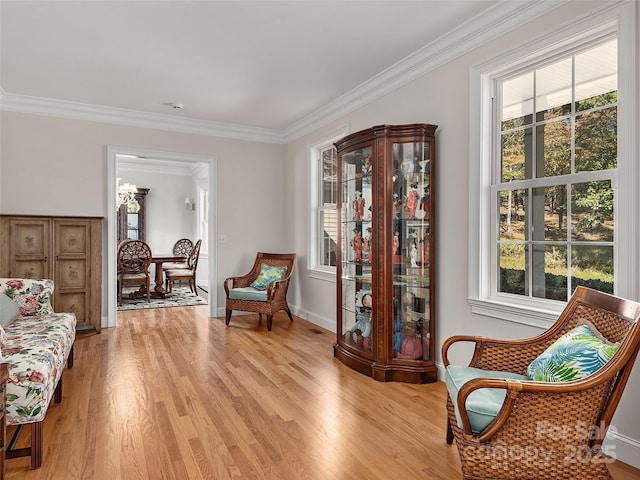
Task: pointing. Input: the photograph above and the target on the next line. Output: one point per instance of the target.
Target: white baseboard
(621, 447)
(326, 323)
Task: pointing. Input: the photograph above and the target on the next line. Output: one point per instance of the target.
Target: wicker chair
(545, 430)
(187, 274)
(134, 258)
(241, 296)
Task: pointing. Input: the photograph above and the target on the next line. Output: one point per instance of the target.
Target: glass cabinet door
(357, 228)
(411, 250)
(131, 218)
(386, 252)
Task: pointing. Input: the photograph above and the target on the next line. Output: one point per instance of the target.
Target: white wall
(53, 166)
(442, 98)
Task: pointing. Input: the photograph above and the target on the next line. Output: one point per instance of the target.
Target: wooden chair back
(134, 256)
(183, 247)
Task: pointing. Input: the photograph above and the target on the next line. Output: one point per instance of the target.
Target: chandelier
(126, 195)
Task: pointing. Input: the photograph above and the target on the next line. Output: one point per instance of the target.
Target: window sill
(534, 316)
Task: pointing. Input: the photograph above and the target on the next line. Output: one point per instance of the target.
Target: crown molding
(484, 27)
(490, 24)
(132, 118)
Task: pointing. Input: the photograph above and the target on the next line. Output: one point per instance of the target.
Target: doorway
(140, 157)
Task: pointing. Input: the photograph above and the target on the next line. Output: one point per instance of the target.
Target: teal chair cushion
(482, 405)
(248, 293)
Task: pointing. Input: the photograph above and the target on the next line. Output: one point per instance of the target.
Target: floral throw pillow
(267, 275)
(577, 354)
(32, 296)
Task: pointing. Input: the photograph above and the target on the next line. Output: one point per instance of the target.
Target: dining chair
(134, 258)
(182, 248)
(185, 274)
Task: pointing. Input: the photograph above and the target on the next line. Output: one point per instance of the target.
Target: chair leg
(57, 393)
(269, 322)
(289, 313)
(37, 444)
(449, 433)
(228, 317)
(149, 293)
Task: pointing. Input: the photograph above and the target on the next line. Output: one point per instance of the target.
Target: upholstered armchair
(541, 407)
(264, 289)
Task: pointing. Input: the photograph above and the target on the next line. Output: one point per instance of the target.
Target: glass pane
(553, 90)
(592, 266)
(512, 207)
(555, 273)
(597, 140)
(356, 164)
(328, 195)
(328, 237)
(133, 221)
(355, 244)
(367, 244)
(411, 323)
(356, 324)
(516, 155)
(517, 101)
(513, 264)
(550, 213)
(592, 211)
(553, 150)
(597, 76)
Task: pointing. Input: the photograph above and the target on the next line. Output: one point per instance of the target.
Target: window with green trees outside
(554, 177)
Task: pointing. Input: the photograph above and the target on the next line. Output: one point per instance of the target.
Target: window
(554, 173)
(203, 218)
(323, 200)
(327, 234)
(554, 176)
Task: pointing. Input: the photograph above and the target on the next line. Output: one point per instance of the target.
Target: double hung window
(555, 174)
(323, 221)
(552, 191)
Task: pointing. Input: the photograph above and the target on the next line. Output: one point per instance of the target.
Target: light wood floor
(172, 394)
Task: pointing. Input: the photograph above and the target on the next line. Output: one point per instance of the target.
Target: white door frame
(112, 230)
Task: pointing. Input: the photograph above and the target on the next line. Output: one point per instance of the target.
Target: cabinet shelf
(385, 279)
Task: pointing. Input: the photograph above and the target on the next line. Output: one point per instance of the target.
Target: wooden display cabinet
(132, 222)
(386, 247)
(67, 250)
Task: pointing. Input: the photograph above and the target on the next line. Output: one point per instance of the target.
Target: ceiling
(259, 64)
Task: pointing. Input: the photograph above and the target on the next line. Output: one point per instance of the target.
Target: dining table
(159, 290)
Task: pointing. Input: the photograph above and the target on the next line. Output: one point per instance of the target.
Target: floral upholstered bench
(36, 344)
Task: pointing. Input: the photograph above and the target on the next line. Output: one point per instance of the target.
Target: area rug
(180, 297)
